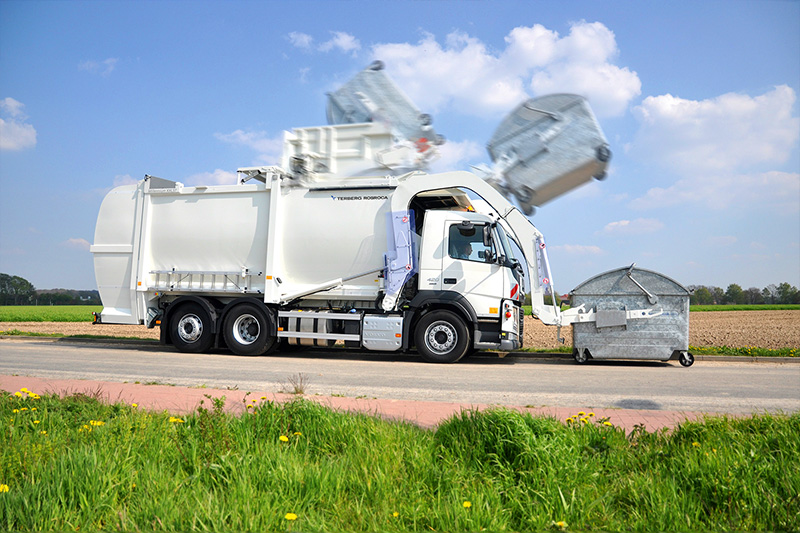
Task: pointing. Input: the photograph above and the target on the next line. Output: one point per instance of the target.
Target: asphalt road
(719, 387)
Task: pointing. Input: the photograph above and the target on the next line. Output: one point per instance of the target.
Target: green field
(48, 313)
(76, 464)
(83, 313)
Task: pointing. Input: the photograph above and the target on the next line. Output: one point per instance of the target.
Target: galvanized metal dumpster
(659, 330)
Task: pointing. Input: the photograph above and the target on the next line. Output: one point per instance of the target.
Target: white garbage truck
(347, 240)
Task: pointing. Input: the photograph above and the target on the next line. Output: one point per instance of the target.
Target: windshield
(508, 252)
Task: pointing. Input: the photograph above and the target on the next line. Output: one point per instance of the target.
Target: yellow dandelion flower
(34, 408)
(467, 504)
(591, 415)
(15, 411)
(395, 514)
(297, 433)
(263, 397)
(175, 420)
(696, 444)
(607, 423)
(34, 396)
(97, 423)
(283, 438)
(37, 422)
(585, 420)
(23, 389)
(290, 517)
(134, 405)
(43, 433)
(24, 409)
(250, 407)
(3, 487)
(561, 524)
(581, 413)
(18, 394)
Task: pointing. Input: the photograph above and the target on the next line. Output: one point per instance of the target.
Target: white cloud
(724, 150)
(722, 240)
(454, 155)
(124, 179)
(15, 133)
(301, 40)
(341, 41)
(104, 68)
(77, 244)
(465, 73)
(639, 226)
(732, 132)
(269, 149)
(578, 249)
(780, 191)
(218, 177)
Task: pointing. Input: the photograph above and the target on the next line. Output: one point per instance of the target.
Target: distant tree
(770, 293)
(735, 295)
(754, 296)
(15, 290)
(718, 294)
(701, 296)
(786, 293)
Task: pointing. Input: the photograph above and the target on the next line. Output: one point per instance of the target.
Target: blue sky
(698, 100)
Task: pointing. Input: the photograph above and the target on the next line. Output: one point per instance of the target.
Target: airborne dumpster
(657, 330)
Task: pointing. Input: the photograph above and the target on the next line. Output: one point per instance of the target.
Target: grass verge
(79, 464)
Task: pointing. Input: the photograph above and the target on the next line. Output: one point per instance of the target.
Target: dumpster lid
(617, 282)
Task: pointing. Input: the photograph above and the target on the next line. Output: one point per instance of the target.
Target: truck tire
(441, 337)
(190, 328)
(247, 330)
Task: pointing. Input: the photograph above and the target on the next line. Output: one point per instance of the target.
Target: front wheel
(190, 328)
(247, 330)
(581, 355)
(441, 337)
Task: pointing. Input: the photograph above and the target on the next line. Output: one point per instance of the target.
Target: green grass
(748, 351)
(48, 313)
(764, 307)
(78, 464)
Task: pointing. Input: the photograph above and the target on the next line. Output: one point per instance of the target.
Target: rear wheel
(247, 330)
(441, 337)
(190, 328)
(686, 359)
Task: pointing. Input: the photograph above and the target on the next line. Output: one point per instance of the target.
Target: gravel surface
(764, 329)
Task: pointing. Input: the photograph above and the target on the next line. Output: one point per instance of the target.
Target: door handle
(449, 281)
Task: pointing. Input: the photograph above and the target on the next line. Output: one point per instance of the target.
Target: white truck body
(299, 246)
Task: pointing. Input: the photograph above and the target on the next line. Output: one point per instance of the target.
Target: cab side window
(467, 244)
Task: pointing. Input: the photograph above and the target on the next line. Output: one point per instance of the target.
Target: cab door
(469, 266)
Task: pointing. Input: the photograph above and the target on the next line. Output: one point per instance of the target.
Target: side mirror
(487, 236)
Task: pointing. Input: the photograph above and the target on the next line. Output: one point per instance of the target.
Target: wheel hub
(190, 328)
(441, 338)
(246, 329)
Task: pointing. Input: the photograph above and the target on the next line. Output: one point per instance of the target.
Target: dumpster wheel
(686, 359)
(581, 355)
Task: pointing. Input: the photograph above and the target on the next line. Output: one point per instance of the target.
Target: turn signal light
(508, 314)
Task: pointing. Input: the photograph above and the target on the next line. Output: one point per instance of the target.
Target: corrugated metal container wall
(613, 336)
